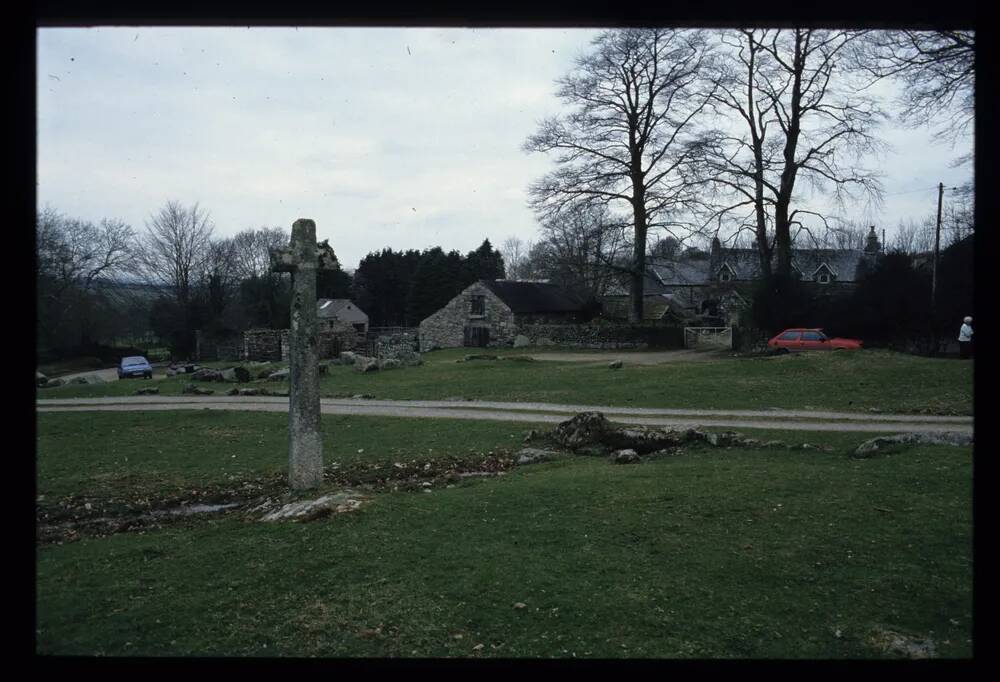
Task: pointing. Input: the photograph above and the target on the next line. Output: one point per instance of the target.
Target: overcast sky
(402, 138)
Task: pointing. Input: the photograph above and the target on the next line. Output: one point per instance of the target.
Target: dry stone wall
(272, 344)
(602, 336)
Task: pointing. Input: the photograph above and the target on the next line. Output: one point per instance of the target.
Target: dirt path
(792, 420)
(111, 374)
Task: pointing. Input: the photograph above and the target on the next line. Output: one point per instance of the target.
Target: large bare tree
(73, 256)
(937, 72)
(252, 247)
(175, 249)
(797, 118)
(628, 140)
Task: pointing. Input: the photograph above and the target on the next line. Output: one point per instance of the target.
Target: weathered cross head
(303, 251)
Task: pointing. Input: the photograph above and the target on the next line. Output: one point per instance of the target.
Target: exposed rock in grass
(615, 364)
(52, 383)
(236, 374)
(584, 429)
(148, 391)
(247, 391)
(627, 456)
(897, 644)
(533, 455)
(390, 363)
(207, 374)
(191, 389)
(280, 375)
(871, 447)
(309, 510)
(590, 433)
(520, 341)
(365, 365)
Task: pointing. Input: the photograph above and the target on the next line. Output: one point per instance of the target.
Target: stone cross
(303, 257)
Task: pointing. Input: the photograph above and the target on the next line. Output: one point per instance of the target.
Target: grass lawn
(710, 553)
(849, 381)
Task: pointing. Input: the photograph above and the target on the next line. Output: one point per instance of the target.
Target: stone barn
(490, 313)
(335, 313)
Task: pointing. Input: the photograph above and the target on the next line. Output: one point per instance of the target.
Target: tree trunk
(638, 261)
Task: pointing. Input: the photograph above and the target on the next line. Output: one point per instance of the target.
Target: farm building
(489, 313)
(333, 313)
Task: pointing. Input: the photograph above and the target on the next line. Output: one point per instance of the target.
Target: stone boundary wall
(601, 336)
(387, 345)
(272, 344)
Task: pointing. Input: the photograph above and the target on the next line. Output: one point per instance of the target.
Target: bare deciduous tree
(251, 249)
(515, 257)
(175, 249)
(628, 140)
(914, 237)
(220, 278)
(72, 257)
(584, 248)
(936, 70)
(798, 118)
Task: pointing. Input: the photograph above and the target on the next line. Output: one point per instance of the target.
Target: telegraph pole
(937, 246)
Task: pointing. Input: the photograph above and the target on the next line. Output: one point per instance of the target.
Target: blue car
(135, 366)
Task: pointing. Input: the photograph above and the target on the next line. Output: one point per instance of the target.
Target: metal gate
(477, 336)
(708, 337)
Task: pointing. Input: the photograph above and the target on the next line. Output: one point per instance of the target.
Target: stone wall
(265, 344)
(389, 345)
(272, 344)
(446, 327)
(606, 336)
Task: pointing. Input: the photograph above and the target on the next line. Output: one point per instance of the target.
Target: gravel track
(792, 420)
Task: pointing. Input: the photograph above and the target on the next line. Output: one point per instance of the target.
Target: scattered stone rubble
(590, 433)
(309, 510)
(870, 448)
(900, 645)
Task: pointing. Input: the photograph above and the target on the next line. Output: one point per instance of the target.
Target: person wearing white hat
(965, 338)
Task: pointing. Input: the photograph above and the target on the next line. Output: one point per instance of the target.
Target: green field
(712, 553)
(849, 381)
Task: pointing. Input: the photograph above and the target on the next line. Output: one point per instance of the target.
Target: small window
(789, 336)
(823, 278)
(812, 336)
(478, 305)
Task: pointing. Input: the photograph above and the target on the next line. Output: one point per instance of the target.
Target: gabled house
(719, 284)
(488, 313)
(340, 313)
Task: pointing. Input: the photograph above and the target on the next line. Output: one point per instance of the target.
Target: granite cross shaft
(303, 257)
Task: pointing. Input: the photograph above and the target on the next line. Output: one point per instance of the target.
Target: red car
(792, 340)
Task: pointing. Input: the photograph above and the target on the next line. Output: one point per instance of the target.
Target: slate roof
(687, 271)
(536, 297)
(846, 265)
(329, 307)
(654, 307)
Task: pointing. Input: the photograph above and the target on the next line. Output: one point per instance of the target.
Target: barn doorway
(478, 337)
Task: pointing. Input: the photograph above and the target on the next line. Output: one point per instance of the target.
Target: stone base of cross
(303, 257)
